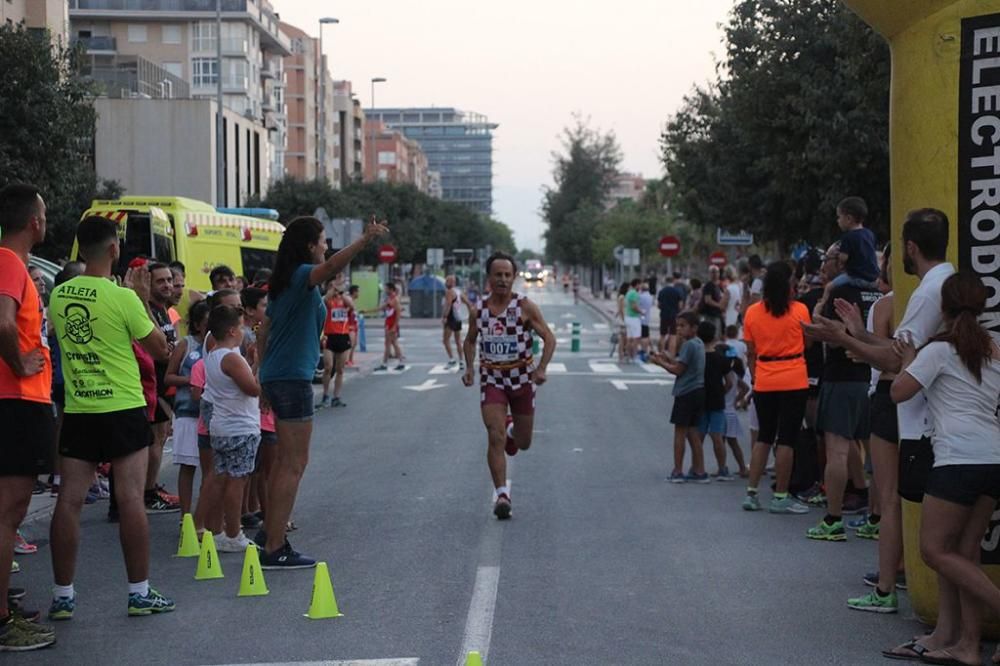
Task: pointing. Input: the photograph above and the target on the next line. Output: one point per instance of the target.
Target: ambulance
(192, 232)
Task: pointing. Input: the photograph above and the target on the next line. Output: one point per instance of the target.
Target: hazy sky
(528, 66)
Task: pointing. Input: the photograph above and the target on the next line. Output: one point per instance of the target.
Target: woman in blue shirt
(288, 348)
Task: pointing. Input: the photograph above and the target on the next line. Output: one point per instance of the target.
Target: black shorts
(105, 437)
(453, 324)
(160, 415)
(964, 484)
(884, 419)
(59, 394)
(668, 325)
(644, 332)
(338, 343)
(688, 408)
(779, 415)
(28, 444)
(844, 409)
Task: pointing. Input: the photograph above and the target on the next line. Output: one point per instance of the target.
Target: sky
(529, 66)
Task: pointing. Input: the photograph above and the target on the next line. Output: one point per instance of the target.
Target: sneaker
(809, 493)
(157, 504)
(236, 544)
(501, 509)
(854, 504)
(167, 497)
(510, 447)
(452, 363)
(724, 475)
(39, 488)
(868, 531)
(31, 615)
(153, 602)
(104, 486)
(825, 532)
(337, 402)
(18, 635)
(751, 502)
(251, 521)
(62, 608)
(92, 495)
(461, 366)
(15, 567)
(818, 500)
(677, 477)
(15, 593)
(400, 367)
(858, 522)
(22, 547)
(381, 368)
(325, 402)
(285, 558)
(871, 580)
(873, 602)
(786, 505)
(697, 478)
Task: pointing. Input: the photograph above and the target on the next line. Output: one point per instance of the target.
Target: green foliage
(416, 221)
(47, 129)
(583, 173)
(797, 120)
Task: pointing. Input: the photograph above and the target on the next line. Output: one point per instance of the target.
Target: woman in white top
(734, 305)
(959, 373)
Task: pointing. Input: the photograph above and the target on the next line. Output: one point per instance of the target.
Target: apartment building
(458, 145)
(37, 14)
(312, 121)
(626, 187)
(350, 140)
(181, 37)
(397, 158)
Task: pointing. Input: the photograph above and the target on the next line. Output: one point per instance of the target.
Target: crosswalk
(580, 367)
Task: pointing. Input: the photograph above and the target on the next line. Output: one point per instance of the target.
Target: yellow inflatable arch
(945, 153)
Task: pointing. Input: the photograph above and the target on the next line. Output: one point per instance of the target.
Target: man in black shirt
(843, 413)
(161, 298)
(713, 301)
(669, 300)
(718, 365)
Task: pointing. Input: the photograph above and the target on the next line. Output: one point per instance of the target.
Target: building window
(383, 174)
(174, 68)
(136, 33)
(386, 157)
(203, 37)
(171, 34)
(204, 71)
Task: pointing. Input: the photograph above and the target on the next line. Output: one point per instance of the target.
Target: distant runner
(391, 308)
(507, 371)
(451, 320)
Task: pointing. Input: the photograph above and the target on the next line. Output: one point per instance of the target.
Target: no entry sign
(718, 258)
(670, 246)
(387, 254)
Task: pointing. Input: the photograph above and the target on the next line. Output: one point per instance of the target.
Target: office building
(350, 139)
(458, 145)
(397, 158)
(167, 147)
(181, 38)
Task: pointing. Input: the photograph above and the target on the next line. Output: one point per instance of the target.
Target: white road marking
(601, 327)
(557, 368)
(409, 661)
(622, 384)
(443, 369)
(428, 385)
(604, 367)
(479, 621)
(653, 369)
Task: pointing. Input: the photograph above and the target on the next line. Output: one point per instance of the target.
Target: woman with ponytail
(959, 373)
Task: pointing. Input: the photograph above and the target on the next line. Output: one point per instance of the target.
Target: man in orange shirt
(28, 443)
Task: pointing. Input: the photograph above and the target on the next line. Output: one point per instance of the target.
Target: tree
(417, 221)
(47, 130)
(583, 173)
(796, 120)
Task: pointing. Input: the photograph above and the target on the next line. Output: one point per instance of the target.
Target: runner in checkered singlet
(502, 331)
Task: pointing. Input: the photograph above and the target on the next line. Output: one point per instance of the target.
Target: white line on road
(479, 622)
(604, 367)
(622, 384)
(557, 368)
(409, 661)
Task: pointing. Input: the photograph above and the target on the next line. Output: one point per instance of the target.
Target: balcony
(134, 76)
(159, 5)
(97, 45)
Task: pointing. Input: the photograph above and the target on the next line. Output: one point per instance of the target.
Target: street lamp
(377, 79)
(321, 77)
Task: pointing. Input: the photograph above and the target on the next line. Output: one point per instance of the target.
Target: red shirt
(32, 332)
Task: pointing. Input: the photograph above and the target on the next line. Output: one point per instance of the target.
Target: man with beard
(507, 371)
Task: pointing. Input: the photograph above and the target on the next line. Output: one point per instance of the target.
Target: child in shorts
(735, 395)
(689, 398)
(235, 424)
(188, 351)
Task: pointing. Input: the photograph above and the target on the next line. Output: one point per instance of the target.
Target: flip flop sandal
(947, 660)
(913, 646)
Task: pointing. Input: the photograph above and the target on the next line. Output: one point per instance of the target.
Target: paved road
(603, 563)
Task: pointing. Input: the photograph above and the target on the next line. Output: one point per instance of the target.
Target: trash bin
(426, 295)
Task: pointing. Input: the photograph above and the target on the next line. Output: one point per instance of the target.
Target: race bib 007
(500, 348)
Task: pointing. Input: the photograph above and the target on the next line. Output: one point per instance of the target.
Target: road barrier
(574, 345)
